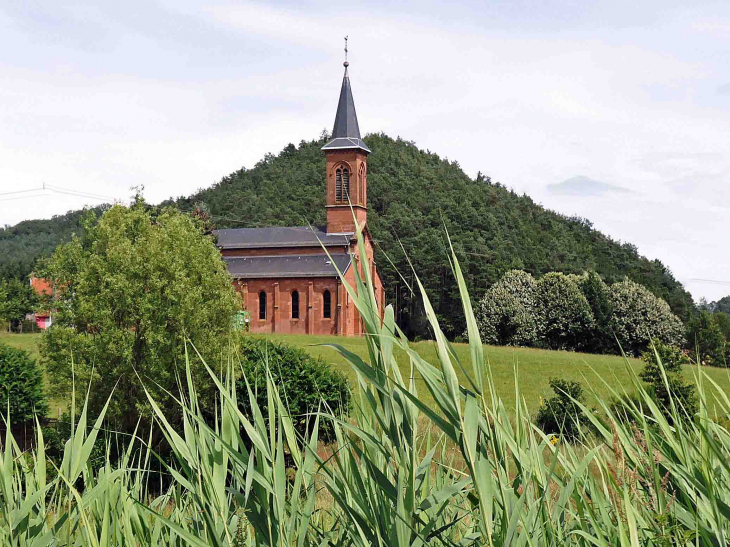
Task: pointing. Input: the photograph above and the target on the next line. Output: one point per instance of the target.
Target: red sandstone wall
(279, 305)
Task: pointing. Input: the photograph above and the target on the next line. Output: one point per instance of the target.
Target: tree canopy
(17, 298)
(129, 293)
(557, 312)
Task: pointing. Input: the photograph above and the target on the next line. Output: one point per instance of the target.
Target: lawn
(534, 367)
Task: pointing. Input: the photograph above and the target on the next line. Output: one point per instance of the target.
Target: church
(288, 283)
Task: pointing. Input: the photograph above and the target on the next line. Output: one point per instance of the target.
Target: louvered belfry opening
(345, 184)
(338, 185)
(342, 184)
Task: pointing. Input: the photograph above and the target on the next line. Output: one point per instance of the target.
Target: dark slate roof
(297, 236)
(346, 132)
(253, 267)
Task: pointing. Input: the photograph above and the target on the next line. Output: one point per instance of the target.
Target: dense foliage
(412, 193)
(707, 338)
(561, 414)
(131, 291)
(574, 312)
(305, 383)
(508, 313)
(565, 316)
(21, 386)
(638, 316)
(595, 290)
(17, 298)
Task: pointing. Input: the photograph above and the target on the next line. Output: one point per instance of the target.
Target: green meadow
(534, 367)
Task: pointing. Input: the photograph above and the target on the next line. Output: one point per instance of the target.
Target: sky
(617, 111)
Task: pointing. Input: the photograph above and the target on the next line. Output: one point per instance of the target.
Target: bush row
(572, 312)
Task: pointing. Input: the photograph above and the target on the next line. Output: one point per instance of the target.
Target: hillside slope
(21, 245)
(412, 195)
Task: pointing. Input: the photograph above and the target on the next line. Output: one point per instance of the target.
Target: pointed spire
(346, 118)
(346, 131)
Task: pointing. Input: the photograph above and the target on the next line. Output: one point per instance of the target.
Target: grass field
(534, 367)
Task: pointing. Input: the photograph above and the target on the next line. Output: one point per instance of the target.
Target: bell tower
(347, 166)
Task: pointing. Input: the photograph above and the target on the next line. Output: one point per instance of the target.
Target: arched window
(327, 304)
(262, 305)
(342, 184)
(295, 305)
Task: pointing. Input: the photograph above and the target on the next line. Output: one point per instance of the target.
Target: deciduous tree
(565, 316)
(638, 316)
(130, 292)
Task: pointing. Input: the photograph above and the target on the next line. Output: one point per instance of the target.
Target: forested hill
(412, 194)
(21, 245)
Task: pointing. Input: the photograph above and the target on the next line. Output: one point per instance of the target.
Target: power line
(33, 193)
(21, 191)
(711, 281)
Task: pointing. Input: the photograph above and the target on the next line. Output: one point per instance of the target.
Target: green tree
(21, 386)
(676, 388)
(508, 313)
(638, 316)
(17, 298)
(306, 384)
(706, 339)
(130, 292)
(597, 295)
(722, 320)
(722, 305)
(565, 316)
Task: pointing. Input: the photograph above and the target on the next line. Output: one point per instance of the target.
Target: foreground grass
(534, 367)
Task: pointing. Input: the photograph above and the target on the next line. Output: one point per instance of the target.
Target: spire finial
(345, 64)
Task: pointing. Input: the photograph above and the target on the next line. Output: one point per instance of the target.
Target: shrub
(21, 383)
(507, 314)
(671, 359)
(565, 315)
(305, 383)
(560, 415)
(638, 316)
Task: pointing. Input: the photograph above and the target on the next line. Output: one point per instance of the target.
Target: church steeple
(346, 166)
(346, 131)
